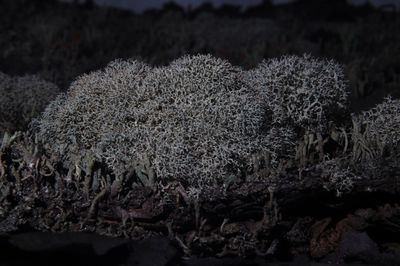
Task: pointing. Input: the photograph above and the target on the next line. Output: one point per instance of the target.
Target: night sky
(140, 5)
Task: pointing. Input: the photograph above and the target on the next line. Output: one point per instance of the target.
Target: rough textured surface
(207, 124)
(378, 130)
(301, 91)
(21, 99)
(96, 104)
(189, 121)
(375, 137)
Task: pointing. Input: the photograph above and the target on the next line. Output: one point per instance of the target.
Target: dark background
(139, 6)
(60, 41)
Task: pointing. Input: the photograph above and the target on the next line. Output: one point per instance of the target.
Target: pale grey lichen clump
(378, 128)
(375, 136)
(199, 120)
(338, 176)
(95, 105)
(304, 92)
(375, 139)
(194, 120)
(21, 99)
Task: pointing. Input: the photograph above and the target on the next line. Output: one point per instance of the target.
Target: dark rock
(85, 249)
(357, 246)
(152, 252)
(218, 262)
(42, 242)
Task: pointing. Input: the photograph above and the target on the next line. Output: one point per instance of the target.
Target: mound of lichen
(199, 120)
(23, 98)
(303, 92)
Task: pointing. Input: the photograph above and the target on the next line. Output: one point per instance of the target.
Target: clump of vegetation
(338, 176)
(193, 120)
(378, 127)
(23, 98)
(199, 120)
(375, 135)
(304, 92)
(95, 105)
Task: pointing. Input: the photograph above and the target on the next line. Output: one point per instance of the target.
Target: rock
(218, 262)
(152, 252)
(357, 246)
(85, 249)
(46, 241)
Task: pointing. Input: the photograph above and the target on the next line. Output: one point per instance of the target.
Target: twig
(96, 200)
